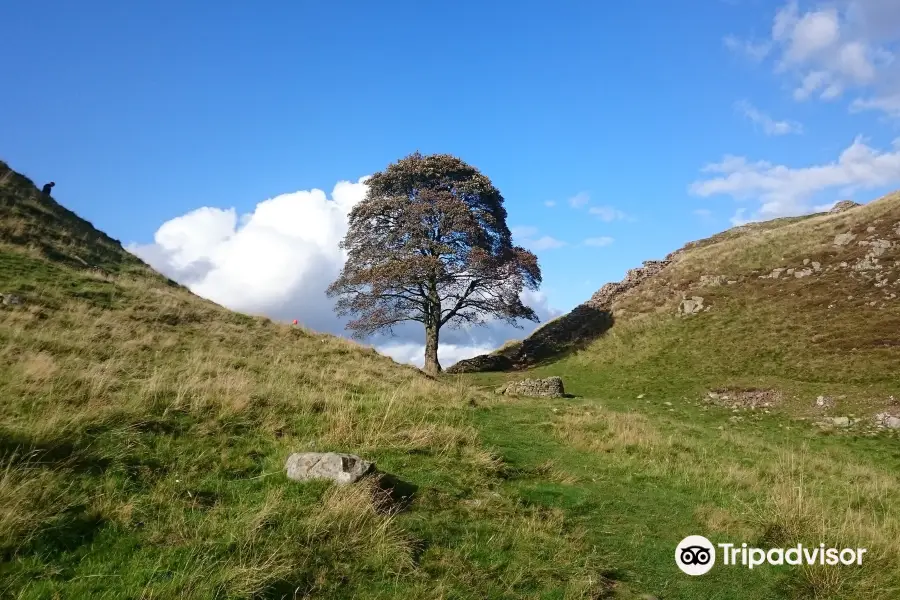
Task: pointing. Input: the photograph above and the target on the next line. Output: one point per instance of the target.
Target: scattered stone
(550, 387)
(745, 398)
(776, 273)
(340, 468)
(712, 280)
(640, 396)
(867, 263)
(11, 299)
(870, 229)
(842, 239)
(840, 421)
(667, 403)
(816, 266)
(879, 247)
(887, 420)
(789, 272)
(824, 401)
(842, 206)
(691, 306)
(805, 261)
(803, 273)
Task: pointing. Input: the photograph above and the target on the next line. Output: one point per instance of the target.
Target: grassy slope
(143, 433)
(649, 461)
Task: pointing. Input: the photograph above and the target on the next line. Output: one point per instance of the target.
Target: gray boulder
(340, 468)
(691, 306)
(842, 239)
(551, 387)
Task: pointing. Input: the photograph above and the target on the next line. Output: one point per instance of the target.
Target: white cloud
(607, 213)
(550, 203)
(890, 105)
(599, 242)
(579, 199)
(525, 235)
(755, 51)
(769, 125)
(278, 260)
(523, 232)
(782, 190)
(828, 50)
(546, 243)
(805, 36)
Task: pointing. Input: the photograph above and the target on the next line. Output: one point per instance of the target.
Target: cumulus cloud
(278, 260)
(599, 242)
(830, 49)
(769, 125)
(781, 190)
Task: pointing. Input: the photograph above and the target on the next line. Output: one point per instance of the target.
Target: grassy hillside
(827, 325)
(759, 460)
(143, 433)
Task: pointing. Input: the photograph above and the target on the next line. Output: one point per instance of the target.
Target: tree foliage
(429, 243)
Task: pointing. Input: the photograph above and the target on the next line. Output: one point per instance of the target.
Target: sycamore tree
(429, 243)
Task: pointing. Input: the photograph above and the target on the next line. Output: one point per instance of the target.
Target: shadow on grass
(16, 448)
(392, 494)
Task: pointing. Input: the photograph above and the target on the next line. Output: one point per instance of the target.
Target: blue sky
(670, 122)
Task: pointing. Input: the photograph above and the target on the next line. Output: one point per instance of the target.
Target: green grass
(142, 451)
(639, 475)
(641, 459)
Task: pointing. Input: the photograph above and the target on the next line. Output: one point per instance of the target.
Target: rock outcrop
(843, 205)
(551, 387)
(604, 297)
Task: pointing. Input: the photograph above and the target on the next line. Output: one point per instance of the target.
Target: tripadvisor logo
(696, 555)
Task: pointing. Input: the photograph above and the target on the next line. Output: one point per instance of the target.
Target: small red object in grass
(294, 322)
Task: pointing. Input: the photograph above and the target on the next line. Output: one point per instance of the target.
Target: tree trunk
(432, 366)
